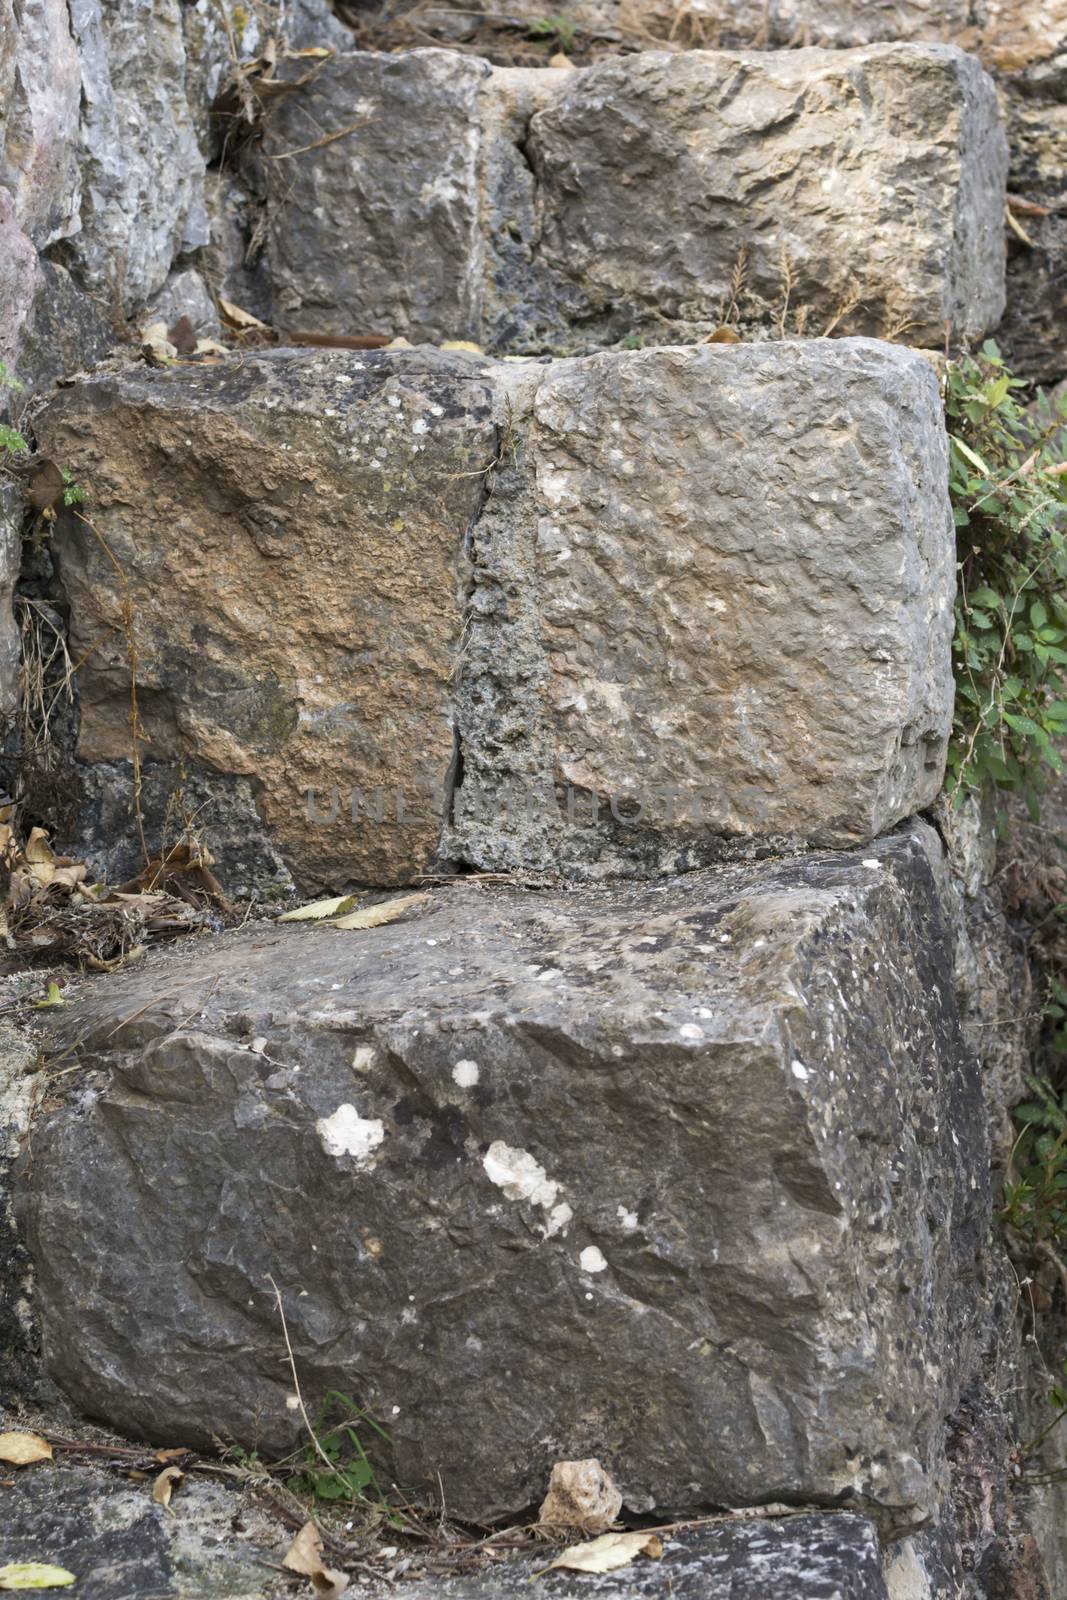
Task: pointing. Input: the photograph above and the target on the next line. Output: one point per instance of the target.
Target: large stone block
(689, 1177)
(712, 602)
(282, 537)
(706, 591)
(562, 210)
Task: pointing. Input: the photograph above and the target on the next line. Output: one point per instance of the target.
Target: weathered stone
(142, 171)
(744, 671)
(120, 1545)
(12, 517)
(185, 294)
(66, 331)
(567, 209)
(712, 601)
(40, 89)
(19, 283)
(799, 1558)
(876, 174)
(687, 1177)
(290, 532)
(379, 230)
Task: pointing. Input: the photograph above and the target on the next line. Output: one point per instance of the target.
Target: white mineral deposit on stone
(800, 1071)
(346, 1133)
(592, 1259)
(627, 1218)
(466, 1074)
(519, 1175)
(363, 1057)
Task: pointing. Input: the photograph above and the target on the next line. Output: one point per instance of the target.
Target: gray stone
(379, 231)
(19, 283)
(40, 89)
(122, 1546)
(65, 332)
(687, 1177)
(12, 518)
(799, 1558)
(712, 607)
(290, 529)
(587, 617)
(185, 294)
(564, 210)
(142, 171)
(875, 174)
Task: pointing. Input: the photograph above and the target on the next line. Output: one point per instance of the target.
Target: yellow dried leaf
(305, 1553)
(20, 1449)
(53, 998)
(328, 1584)
(317, 909)
(239, 317)
(375, 916)
(169, 1479)
(38, 850)
(611, 1550)
(34, 1575)
(463, 344)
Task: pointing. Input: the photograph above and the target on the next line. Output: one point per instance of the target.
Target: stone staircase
(666, 1142)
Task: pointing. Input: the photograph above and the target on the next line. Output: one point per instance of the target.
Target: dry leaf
(304, 1555)
(462, 344)
(317, 909)
(20, 1449)
(169, 1479)
(328, 1584)
(722, 336)
(239, 317)
(375, 916)
(172, 1455)
(210, 347)
(183, 336)
(34, 1575)
(611, 1550)
(53, 998)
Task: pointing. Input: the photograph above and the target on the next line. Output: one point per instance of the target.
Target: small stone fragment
(581, 1494)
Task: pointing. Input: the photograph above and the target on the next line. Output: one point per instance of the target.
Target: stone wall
(679, 1146)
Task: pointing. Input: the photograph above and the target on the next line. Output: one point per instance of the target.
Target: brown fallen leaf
(183, 336)
(165, 1456)
(239, 317)
(722, 336)
(22, 1449)
(169, 1479)
(611, 1550)
(304, 1555)
(375, 916)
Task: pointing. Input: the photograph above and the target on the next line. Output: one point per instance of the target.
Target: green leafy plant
(336, 1466)
(560, 29)
(1035, 1189)
(11, 440)
(73, 493)
(1009, 493)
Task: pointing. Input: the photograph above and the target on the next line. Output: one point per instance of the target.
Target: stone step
(705, 590)
(690, 1177)
(429, 195)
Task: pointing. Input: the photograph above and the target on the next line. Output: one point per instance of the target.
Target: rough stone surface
(141, 167)
(40, 88)
(657, 171)
(12, 516)
(379, 231)
(799, 1558)
(712, 601)
(291, 528)
(753, 672)
(566, 209)
(689, 1177)
(121, 1546)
